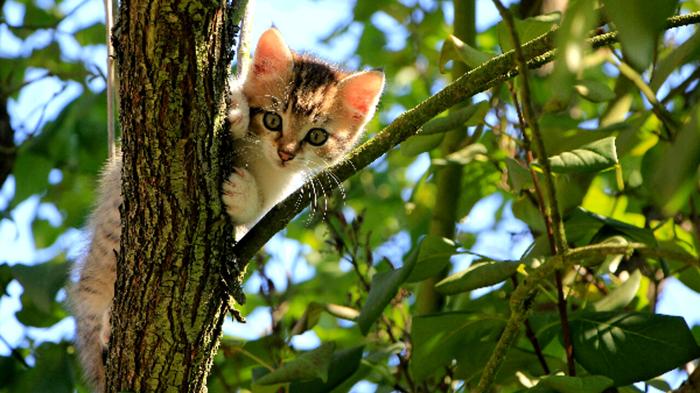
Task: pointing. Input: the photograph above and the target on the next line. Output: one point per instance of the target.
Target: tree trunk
(170, 300)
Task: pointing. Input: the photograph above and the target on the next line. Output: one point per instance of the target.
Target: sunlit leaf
(639, 26)
(478, 275)
(457, 50)
(622, 295)
(592, 157)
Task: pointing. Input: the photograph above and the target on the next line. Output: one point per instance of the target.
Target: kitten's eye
(272, 121)
(317, 136)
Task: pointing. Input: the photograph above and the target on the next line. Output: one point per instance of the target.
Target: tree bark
(170, 299)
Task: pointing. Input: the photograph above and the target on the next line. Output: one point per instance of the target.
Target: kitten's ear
(272, 57)
(359, 94)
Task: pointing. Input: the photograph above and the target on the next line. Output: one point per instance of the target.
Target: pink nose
(285, 156)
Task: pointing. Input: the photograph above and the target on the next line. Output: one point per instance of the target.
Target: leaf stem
(500, 68)
(523, 295)
(549, 206)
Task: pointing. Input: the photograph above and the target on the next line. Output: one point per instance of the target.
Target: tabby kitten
(291, 115)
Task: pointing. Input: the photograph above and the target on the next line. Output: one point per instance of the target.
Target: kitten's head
(306, 113)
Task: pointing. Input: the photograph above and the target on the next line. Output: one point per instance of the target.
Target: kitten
(302, 116)
(291, 116)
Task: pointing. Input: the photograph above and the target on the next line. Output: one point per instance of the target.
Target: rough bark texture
(170, 303)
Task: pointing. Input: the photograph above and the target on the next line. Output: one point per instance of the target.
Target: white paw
(238, 110)
(241, 196)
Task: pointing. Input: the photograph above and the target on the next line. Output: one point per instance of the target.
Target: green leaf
(676, 57)
(50, 58)
(440, 338)
(592, 157)
(383, 288)
(578, 20)
(311, 316)
(434, 253)
(478, 275)
(41, 282)
(639, 25)
(342, 366)
(464, 156)
(457, 50)
(583, 222)
(91, 35)
(519, 176)
(690, 277)
(420, 143)
(5, 278)
(618, 345)
(44, 233)
(594, 91)
(674, 168)
(622, 295)
(527, 30)
(587, 384)
(52, 372)
(31, 173)
(471, 115)
(11, 75)
(307, 366)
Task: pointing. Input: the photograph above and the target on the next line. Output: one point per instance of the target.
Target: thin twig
(15, 353)
(552, 217)
(530, 334)
(522, 296)
(500, 68)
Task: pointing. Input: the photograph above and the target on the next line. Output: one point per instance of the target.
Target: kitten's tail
(89, 319)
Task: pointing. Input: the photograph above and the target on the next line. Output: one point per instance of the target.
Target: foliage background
(52, 85)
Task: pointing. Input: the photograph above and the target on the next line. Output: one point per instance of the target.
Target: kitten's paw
(241, 196)
(238, 111)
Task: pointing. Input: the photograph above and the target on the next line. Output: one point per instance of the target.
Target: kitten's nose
(285, 155)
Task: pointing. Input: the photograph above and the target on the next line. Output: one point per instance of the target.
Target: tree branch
(522, 296)
(538, 52)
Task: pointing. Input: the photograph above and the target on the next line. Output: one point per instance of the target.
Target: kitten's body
(291, 117)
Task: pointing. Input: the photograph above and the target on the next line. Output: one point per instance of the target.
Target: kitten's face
(305, 113)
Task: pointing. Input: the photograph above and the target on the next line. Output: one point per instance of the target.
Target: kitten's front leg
(241, 196)
(238, 110)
